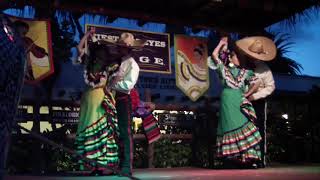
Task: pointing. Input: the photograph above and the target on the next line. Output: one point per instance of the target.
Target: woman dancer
(98, 125)
(237, 136)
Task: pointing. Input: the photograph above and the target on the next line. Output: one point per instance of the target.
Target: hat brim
(137, 44)
(268, 46)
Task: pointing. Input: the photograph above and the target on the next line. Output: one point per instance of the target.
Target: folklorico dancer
(237, 136)
(127, 76)
(259, 98)
(98, 131)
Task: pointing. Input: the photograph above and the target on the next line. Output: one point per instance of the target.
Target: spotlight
(285, 116)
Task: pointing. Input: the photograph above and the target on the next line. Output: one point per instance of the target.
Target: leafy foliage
(283, 64)
(169, 153)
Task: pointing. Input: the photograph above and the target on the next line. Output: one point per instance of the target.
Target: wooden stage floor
(303, 172)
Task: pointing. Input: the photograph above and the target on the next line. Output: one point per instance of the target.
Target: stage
(279, 172)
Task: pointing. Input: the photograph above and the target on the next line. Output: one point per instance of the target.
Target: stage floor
(305, 172)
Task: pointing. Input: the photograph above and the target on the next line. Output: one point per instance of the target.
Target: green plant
(169, 153)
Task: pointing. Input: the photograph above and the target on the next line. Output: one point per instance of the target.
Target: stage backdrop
(154, 57)
(191, 67)
(37, 41)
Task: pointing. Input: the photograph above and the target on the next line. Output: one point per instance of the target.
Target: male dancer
(259, 102)
(127, 77)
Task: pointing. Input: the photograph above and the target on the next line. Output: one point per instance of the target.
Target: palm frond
(283, 64)
(306, 16)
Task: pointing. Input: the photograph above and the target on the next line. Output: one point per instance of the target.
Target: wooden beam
(139, 137)
(227, 15)
(195, 22)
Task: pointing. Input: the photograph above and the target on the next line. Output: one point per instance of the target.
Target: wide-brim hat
(258, 47)
(126, 40)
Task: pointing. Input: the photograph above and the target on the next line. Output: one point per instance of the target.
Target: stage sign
(36, 36)
(192, 75)
(65, 117)
(177, 120)
(154, 57)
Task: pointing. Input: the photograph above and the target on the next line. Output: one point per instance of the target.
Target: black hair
(245, 61)
(95, 48)
(232, 45)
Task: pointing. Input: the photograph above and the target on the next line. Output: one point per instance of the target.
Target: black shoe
(125, 172)
(253, 166)
(96, 172)
(261, 165)
(231, 165)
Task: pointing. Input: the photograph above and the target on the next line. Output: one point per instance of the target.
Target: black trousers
(124, 113)
(260, 107)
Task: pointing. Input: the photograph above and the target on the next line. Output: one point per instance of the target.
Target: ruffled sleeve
(217, 66)
(251, 77)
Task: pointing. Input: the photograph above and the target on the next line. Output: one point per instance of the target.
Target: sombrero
(258, 47)
(126, 40)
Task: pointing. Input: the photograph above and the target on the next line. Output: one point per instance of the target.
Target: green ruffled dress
(237, 136)
(98, 130)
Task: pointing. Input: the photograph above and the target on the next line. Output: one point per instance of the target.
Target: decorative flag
(192, 75)
(36, 36)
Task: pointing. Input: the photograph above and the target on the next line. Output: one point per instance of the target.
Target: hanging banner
(37, 41)
(191, 68)
(154, 57)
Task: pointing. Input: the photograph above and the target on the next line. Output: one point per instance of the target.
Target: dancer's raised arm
(222, 44)
(80, 46)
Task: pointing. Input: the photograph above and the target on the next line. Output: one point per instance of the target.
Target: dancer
(98, 131)
(237, 136)
(259, 98)
(12, 60)
(128, 74)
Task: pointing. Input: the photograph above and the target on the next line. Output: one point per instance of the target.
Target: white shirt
(267, 86)
(129, 73)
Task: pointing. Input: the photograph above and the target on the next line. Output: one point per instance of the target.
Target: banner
(37, 41)
(192, 76)
(177, 120)
(63, 116)
(154, 57)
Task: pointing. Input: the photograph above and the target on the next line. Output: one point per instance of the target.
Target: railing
(69, 114)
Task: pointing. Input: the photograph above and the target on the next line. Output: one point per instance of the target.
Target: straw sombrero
(258, 47)
(126, 40)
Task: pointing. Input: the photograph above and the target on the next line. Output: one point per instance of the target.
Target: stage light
(285, 116)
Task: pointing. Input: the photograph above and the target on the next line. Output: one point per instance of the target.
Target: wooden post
(150, 146)
(36, 149)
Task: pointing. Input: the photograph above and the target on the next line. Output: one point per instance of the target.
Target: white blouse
(129, 74)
